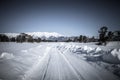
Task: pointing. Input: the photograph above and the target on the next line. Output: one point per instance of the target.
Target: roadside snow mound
(93, 53)
(112, 56)
(113, 43)
(87, 50)
(98, 50)
(116, 53)
(6, 55)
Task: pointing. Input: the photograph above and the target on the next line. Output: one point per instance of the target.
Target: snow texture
(59, 61)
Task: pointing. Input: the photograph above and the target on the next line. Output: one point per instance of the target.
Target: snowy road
(55, 64)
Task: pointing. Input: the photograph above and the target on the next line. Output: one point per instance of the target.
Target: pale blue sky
(67, 18)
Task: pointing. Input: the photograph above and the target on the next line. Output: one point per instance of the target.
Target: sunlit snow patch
(97, 50)
(25, 51)
(6, 55)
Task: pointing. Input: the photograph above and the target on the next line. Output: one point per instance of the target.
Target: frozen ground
(59, 61)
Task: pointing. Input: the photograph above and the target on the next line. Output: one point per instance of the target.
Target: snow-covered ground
(59, 61)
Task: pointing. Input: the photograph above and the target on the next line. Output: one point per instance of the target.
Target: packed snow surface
(56, 61)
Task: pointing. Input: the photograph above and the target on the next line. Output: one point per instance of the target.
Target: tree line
(104, 36)
(22, 37)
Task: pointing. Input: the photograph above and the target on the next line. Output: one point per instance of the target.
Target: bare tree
(102, 35)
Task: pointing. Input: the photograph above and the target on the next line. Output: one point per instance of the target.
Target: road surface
(58, 65)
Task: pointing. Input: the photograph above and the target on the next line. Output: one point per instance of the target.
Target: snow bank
(98, 49)
(116, 53)
(112, 56)
(113, 43)
(6, 55)
(93, 53)
(87, 50)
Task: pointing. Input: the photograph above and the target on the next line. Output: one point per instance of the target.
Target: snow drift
(93, 53)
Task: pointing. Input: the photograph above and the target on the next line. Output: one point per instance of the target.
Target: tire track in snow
(72, 68)
(33, 73)
(87, 71)
(44, 75)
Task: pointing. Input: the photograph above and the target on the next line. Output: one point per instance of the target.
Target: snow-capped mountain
(11, 34)
(37, 34)
(52, 36)
(44, 34)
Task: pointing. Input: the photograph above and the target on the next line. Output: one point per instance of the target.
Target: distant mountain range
(53, 36)
(36, 34)
(43, 36)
